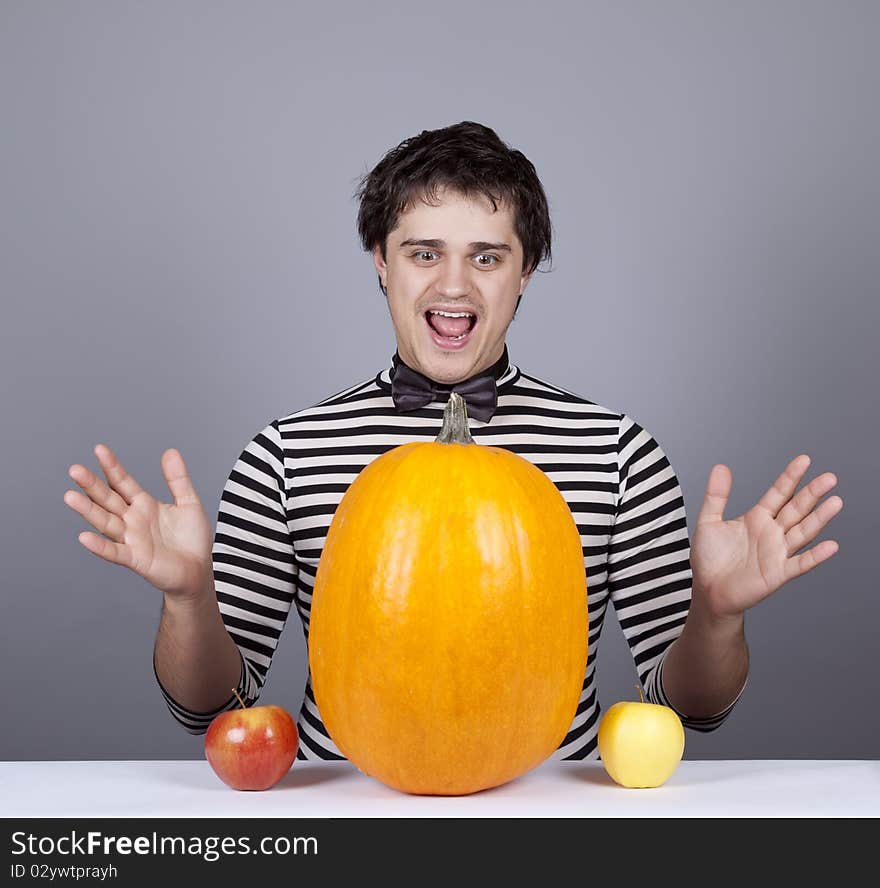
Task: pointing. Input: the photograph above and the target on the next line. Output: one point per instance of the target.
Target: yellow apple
(640, 743)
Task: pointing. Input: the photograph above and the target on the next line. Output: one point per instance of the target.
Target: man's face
(456, 257)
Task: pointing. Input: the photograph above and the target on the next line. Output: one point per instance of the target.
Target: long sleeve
(649, 572)
(254, 566)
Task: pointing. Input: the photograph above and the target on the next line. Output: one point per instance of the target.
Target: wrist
(700, 615)
(193, 600)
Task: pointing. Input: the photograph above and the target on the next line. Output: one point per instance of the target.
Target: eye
(420, 254)
(488, 256)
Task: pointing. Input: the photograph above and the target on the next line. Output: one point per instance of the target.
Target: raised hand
(168, 544)
(739, 562)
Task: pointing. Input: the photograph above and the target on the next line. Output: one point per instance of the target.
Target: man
(456, 223)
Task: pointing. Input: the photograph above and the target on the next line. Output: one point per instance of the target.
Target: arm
(706, 668)
(650, 587)
(195, 661)
(229, 637)
(736, 564)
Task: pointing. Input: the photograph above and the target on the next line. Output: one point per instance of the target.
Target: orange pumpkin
(448, 632)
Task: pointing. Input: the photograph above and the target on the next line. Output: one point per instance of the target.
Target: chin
(448, 367)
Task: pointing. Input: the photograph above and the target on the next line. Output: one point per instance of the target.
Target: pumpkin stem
(455, 422)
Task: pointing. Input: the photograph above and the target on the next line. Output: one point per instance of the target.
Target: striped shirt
(284, 488)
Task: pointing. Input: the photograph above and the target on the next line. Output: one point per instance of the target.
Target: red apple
(252, 748)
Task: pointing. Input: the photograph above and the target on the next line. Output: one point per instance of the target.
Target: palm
(739, 562)
(168, 544)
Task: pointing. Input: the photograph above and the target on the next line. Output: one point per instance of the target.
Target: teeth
(453, 314)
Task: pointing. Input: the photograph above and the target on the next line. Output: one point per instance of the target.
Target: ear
(381, 267)
(523, 281)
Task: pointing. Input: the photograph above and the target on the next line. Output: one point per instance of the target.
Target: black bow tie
(411, 390)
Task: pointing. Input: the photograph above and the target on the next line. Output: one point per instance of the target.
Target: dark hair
(469, 158)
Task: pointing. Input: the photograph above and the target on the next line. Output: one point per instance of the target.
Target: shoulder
(527, 385)
(353, 395)
(631, 434)
(268, 442)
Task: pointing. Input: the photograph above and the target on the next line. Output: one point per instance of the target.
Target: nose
(454, 278)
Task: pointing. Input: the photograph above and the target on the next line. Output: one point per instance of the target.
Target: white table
(190, 789)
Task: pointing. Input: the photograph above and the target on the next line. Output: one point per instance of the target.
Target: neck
(496, 369)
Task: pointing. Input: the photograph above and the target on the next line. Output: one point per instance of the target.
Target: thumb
(717, 492)
(174, 470)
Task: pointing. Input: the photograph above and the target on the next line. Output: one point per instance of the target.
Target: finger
(117, 476)
(179, 483)
(798, 565)
(102, 520)
(808, 529)
(784, 486)
(115, 553)
(97, 490)
(717, 492)
(799, 506)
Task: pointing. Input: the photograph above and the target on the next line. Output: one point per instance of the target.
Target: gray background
(180, 265)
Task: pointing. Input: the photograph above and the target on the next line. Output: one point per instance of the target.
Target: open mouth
(450, 329)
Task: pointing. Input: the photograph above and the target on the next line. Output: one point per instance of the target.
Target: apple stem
(235, 691)
(639, 689)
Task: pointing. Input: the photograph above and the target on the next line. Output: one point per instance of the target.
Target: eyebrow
(434, 243)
